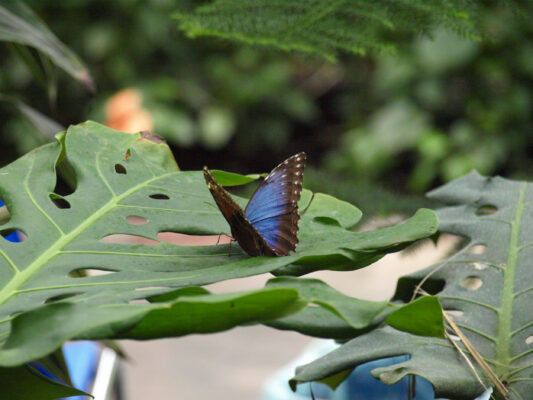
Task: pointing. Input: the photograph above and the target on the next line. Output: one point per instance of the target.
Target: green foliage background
(440, 106)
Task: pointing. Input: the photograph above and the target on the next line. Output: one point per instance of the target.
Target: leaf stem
(503, 341)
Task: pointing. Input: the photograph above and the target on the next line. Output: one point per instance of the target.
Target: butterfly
(269, 223)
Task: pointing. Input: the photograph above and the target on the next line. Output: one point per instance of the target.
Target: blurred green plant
(449, 105)
(423, 116)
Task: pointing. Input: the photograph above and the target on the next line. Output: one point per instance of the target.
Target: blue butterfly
(269, 224)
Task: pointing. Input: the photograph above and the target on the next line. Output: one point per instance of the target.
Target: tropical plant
(120, 176)
(487, 293)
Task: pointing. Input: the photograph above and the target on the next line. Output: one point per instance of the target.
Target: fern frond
(326, 27)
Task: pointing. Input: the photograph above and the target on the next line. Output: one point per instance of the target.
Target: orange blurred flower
(124, 112)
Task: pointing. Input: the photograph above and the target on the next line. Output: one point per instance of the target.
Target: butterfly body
(269, 224)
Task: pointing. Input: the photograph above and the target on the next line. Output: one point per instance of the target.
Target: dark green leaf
(62, 321)
(355, 312)
(231, 179)
(318, 322)
(421, 317)
(213, 313)
(24, 383)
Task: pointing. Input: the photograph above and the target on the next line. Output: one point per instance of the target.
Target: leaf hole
(480, 266)
(455, 313)
(455, 337)
(123, 238)
(84, 272)
(182, 239)
(159, 196)
(4, 213)
(59, 297)
(65, 179)
(529, 339)
(478, 249)
(487, 209)
(471, 283)
(59, 201)
(120, 169)
(13, 235)
(431, 286)
(136, 220)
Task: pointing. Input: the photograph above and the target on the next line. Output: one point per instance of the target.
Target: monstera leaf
(489, 295)
(129, 184)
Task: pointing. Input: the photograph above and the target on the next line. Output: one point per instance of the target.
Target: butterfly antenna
(308, 205)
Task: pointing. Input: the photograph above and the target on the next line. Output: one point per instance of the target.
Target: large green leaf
(489, 292)
(322, 27)
(119, 175)
(20, 25)
(61, 321)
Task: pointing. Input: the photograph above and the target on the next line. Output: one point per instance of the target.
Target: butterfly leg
(231, 241)
(223, 234)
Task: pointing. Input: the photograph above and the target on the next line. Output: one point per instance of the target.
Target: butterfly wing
(241, 229)
(273, 209)
(225, 203)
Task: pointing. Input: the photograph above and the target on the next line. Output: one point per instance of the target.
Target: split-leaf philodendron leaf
(488, 293)
(119, 176)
